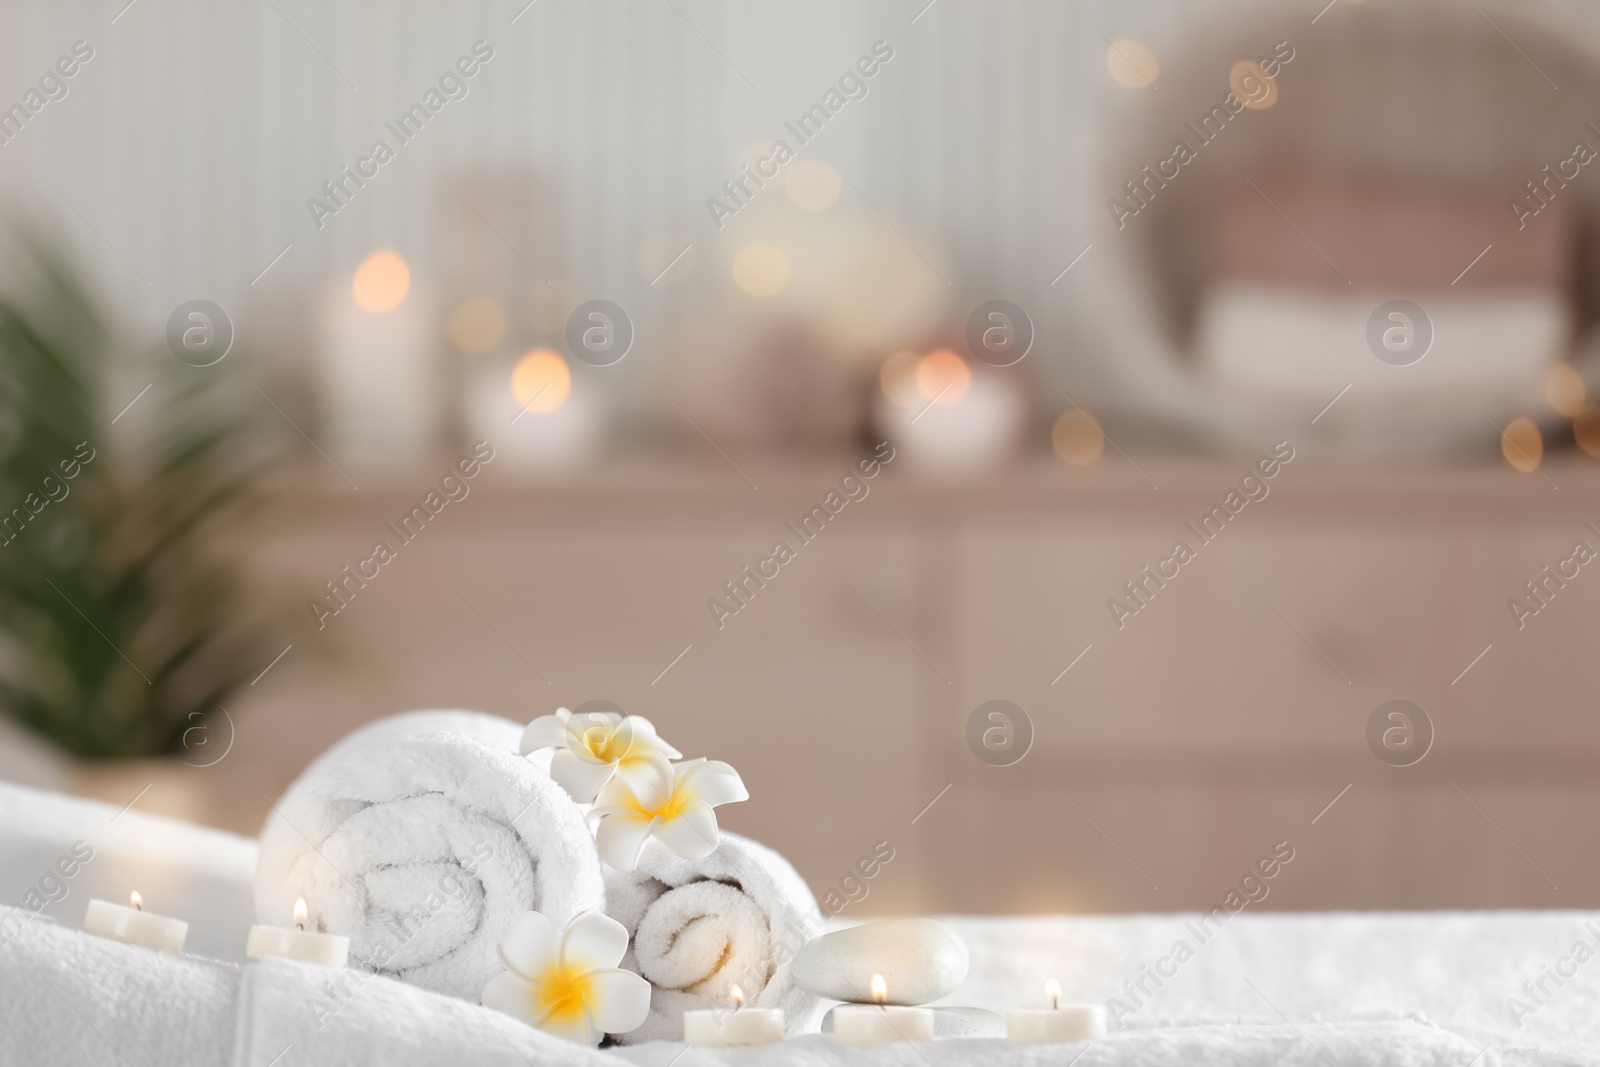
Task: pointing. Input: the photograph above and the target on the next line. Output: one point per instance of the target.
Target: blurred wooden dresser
(1178, 750)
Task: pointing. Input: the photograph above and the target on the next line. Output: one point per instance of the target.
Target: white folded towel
(698, 927)
(422, 837)
(73, 999)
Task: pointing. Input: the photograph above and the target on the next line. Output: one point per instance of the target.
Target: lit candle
(330, 950)
(1057, 1023)
(135, 926)
(741, 1026)
(881, 1023)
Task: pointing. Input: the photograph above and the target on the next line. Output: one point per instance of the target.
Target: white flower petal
(648, 775)
(593, 941)
(579, 776)
(511, 994)
(615, 794)
(620, 837)
(532, 946)
(547, 731)
(619, 1002)
(574, 1028)
(645, 733)
(714, 782)
(692, 833)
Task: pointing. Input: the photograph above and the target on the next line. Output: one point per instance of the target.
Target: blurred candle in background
(951, 419)
(538, 417)
(377, 368)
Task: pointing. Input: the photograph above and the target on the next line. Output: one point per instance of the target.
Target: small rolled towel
(698, 927)
(422, 837)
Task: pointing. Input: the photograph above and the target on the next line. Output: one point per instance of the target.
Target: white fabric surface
(423, 837)
(1358, 988)
(68, 999)
(697, 926)
(1457, 969)
(74, 1000)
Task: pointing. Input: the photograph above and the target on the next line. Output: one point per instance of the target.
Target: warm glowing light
(812, 185)
(1251, 84)
(880, 990)
(943, 377)
(1563, 387)
(1586, 430)
(541, 380)
(1521, 444)
(737, 996)
(898, 378)
(381, 282)
(301, 912)
(136, 900)
(1052, 993)
(1132, 63)
(1077, 439)
(477, 324)
(761, 269)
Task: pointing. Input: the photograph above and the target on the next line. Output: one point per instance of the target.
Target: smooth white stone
(920, 959)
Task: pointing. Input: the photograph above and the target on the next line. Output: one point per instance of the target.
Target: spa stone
(921, 960)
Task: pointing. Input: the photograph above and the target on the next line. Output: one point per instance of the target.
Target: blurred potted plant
(121, 632)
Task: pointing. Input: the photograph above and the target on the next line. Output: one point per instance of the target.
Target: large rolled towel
(698, 927)
(422, 837)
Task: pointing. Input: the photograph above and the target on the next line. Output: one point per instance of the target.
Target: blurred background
(578, 309)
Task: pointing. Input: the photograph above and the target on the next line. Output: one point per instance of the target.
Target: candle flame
(737, 995)
(1052, 990)
(136, 900)
(880, 990)
(301, 912)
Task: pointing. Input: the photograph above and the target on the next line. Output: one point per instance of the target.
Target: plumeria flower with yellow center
(593, 746)
(680, 816)
(567, 982)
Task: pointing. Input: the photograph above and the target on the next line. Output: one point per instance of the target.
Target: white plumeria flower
(567, 982)
(593, 746)
(680, 816)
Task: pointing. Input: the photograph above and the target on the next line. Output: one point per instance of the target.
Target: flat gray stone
(921, 960)
(952, 1022)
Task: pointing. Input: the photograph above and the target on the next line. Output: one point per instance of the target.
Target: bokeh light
(1077, 439)
(1563, 387)
(541, 380)
(477, 324)
(381, 282)
(1521, 444)
(813, 185)
(760, 269)
(1586, 431)
(1132, 63)
(898, 378)
(943, 377)
(1250, 83)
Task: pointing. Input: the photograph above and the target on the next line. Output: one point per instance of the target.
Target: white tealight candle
(1059, 1023)
(880, 1023)
(741, 1026)
(135, 926)
(330, 950)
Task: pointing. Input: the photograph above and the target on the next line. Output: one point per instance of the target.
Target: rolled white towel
(698, 927)
(422, 837)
